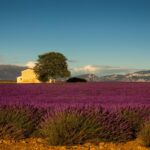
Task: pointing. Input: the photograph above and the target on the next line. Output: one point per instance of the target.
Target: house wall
(28, 76)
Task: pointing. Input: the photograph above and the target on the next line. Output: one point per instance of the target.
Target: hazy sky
(92, 34)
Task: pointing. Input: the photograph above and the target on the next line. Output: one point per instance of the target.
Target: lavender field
(105, 94)
(100, 111)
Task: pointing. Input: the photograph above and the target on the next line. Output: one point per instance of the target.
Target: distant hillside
(140, 76)
(89, 77)
(10, 72)
(143, 72)
(115, 77)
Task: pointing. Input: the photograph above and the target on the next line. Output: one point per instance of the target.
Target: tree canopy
(51, 65)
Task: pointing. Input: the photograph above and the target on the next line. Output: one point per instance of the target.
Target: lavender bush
(136, 117)
(15, 122)
(70, 126)
(144, 134)
(114, 128)
(77, 125)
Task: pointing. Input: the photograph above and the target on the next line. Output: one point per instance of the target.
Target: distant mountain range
(10, 72)
(89, 77)
(140, 76)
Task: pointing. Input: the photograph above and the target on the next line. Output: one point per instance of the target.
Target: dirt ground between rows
(39, 144)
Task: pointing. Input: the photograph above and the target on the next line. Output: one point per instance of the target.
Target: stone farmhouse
(28, 76)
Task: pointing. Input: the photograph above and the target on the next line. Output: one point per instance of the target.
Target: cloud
(88, 68)
(30, 64)
(102, 70)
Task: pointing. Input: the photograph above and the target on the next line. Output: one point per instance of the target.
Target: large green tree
(52, 65)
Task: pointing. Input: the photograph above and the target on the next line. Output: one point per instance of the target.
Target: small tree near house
(52, 65)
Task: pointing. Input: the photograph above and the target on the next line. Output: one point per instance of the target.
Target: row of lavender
(68, 114)
(106, 94)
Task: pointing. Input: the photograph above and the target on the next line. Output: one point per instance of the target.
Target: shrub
(79, 125)
(114, 128)
(9, 131)
(135, 117)
(69, 127)
(75, 79)
(144, 134)
(15, 122)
